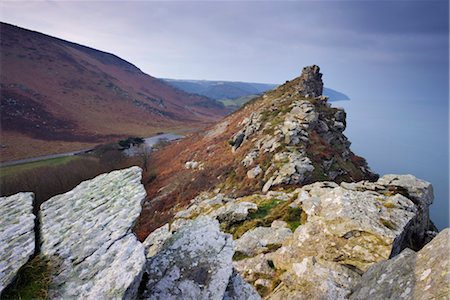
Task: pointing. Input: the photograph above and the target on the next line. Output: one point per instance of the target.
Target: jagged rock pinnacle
(310, 83)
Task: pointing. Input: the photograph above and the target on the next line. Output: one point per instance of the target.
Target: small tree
(144, 155)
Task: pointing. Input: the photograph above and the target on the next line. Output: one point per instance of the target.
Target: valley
(58, 96)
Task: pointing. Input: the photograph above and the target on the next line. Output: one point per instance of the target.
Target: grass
(269, 211)
(32, 281)
(52, 162)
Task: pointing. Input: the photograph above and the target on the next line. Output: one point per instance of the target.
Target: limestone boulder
(239, 289)
(346, 226)
(86, 233)
(258, 240)
(194, 263)
(233, 212)
(316, 279)
(410, 275)
(17, 236)
(155, 240)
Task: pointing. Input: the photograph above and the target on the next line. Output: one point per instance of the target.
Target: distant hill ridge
(59, 96)
(238, 91)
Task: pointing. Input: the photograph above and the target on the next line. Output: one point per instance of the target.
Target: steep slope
(288, 137)
(60, 96)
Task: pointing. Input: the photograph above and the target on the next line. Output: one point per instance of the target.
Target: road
(150, 141)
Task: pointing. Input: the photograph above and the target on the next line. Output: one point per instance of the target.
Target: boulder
(155, 240)
(86, 234)
(194, 263)
(316, 279)
(17, 237)
(238, 289)
(258, 239)
(253, 173)
(410, 275)
(233, 212)
(356, 228)
(254, 268)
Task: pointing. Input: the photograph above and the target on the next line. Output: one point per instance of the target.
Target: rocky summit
(269, 203)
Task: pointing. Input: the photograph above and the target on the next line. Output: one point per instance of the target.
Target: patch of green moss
(239, 256)
(269, 211)
(32, 281)
(264, 209)
(388, 224)
(272, 247)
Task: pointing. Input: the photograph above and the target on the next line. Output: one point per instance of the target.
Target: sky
(390, 57)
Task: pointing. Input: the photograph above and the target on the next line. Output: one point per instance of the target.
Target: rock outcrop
(410, 275)
(340, 231)
(311, 84)
(193, 263)
(17, 237)
(86, 234)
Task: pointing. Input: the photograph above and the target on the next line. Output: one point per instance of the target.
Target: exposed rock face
(356, 227)
(256, 240)
(410, 275)
(87, 235)
(194, 263)
(316, 279)
(340, 232)
(16, 234)
(311, 84)
(239, 289)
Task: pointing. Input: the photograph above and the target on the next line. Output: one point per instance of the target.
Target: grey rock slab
(256, 240)
(87, 235)
(315, 279)
(194, 263)
(239, 289)
(410, 275)
(17, 237)
(234, 212)
(155, 240)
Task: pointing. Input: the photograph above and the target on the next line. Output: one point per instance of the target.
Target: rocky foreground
(300, 217)
(320, 241)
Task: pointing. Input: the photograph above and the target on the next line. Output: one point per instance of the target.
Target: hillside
(288, 136)
(58, 96)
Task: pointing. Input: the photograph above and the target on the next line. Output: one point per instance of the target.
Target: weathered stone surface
(410, 275)
(256, 240)
(350, 227)
(256, 267)
(419, 229)
(238, 289)
(253, 173)
(296, 170)
(194, 263)
(155, 240)
(311, 84)
(234, 212)
(315, 279)
(87, 235)
(16, 234)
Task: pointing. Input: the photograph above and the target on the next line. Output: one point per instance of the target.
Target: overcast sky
(250, 41)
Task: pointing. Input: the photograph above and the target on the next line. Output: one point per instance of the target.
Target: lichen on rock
(86, 233)
(17, 237)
